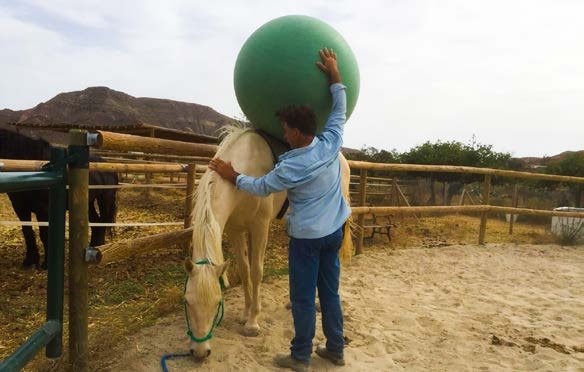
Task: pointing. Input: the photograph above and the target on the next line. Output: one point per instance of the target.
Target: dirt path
(496, 307)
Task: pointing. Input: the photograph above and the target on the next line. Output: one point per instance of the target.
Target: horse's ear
(188, 264)
(220, 269)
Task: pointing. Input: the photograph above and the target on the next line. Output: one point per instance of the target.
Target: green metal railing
(50, 334)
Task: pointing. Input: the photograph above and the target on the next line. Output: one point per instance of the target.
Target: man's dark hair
(301, 117)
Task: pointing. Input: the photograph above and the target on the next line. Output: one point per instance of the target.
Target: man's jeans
(315, 263)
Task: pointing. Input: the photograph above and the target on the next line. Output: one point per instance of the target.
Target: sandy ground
(496, 307)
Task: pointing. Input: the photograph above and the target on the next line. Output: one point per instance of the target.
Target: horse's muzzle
(200, 354)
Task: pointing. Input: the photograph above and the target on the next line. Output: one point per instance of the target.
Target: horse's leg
(32, 256)
(42, 214)
(97, 232)
(258, 239)
(24, 213)
(240, 247)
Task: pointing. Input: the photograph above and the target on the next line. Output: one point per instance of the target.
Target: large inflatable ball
(276, 68)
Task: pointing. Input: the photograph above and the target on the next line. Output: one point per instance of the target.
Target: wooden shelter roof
(145, 130)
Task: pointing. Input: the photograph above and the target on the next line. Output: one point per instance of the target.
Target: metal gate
(50, 334)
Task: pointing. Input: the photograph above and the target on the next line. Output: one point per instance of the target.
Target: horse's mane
(230, 134)
(206, 230)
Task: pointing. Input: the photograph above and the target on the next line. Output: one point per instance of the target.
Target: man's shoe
(335, 358)
(285, 360)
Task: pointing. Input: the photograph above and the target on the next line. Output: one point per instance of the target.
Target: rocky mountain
(563, 155)
(101, 106)
(535, 162)
(8, 116)
(105, 107)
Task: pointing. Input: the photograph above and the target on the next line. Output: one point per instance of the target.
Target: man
(310, 172)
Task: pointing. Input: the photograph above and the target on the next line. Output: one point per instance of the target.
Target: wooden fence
(484, 209)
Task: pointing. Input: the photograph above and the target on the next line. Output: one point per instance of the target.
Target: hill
(107, 107)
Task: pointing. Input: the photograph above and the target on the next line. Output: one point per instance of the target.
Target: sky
(505, 73)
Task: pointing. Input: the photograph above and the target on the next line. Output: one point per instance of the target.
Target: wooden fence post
(484, 215)
(190, 194)
(361, 217)
(78, 241)
(56, 260)
(514, 202)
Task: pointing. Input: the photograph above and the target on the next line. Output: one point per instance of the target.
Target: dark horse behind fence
(17, 146)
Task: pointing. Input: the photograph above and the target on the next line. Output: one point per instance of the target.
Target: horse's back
(14, 145)
(250, 154)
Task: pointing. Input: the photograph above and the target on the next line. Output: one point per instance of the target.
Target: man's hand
(224, 169)
(329, 65)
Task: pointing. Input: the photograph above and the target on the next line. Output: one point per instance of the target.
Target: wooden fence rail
(461, 169)
(126, 248)
(12, 165)
(150, 156)
(128, 142)
(464, 209)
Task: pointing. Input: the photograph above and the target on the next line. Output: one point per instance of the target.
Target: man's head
(299, 124)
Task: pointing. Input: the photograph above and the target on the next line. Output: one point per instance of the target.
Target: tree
(455, 153)
(571, 165)
(373, 155)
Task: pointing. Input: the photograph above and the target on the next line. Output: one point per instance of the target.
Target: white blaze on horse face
(202, 298)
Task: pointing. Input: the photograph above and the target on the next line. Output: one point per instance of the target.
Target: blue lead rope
(170, 356)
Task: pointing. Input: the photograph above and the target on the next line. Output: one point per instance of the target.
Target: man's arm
(273, 181)
(333, 129)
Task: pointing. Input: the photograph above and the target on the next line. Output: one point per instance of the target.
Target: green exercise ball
(276, 68)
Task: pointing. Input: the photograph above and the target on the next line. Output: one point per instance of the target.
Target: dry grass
(128, 296)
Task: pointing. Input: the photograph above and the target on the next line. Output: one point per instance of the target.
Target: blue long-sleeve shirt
(312, 177)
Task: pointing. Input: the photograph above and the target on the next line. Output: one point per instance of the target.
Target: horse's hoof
(31, 261)
(28, 266)
(251, 331)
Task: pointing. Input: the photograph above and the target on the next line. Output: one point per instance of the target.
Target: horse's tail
(346, 251)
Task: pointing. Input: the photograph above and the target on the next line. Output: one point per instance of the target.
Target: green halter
(218, 315)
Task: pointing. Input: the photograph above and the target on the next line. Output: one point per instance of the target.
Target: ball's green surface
(276, 67)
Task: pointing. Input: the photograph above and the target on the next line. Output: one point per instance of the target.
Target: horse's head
(203, 303)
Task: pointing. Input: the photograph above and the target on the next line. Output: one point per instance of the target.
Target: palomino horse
(245, 218)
